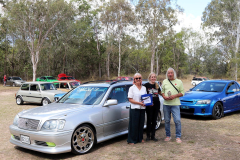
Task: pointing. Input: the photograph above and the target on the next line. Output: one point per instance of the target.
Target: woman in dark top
(152, 87)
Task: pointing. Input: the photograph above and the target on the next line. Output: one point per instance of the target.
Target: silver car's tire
(159, 120)
(45, 101)
(14, 85)
(194, 83)
(19, 100)
(83, 139)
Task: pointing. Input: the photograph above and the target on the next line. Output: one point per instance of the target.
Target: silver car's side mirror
(110, 102)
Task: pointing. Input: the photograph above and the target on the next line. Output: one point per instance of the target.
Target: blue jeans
(175, 110)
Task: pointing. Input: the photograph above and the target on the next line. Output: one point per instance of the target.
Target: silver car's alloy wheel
(159, 120)
(45, 102)
(82, 139)
(19, 100)
(14, 85)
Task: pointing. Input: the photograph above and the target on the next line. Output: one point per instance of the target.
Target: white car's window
(74, 84)
(85, 95)
(47, 86)
(34, 87)
(25, 87)
(64, 85)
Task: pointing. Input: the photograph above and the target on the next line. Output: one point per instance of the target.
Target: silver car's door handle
(127, 107)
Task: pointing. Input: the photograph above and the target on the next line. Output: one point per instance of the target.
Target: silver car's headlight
(15, 121)
(207, 101)
(53, 124)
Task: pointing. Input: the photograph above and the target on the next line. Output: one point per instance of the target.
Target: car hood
(199, 95)
(19, 81)
(54, 110)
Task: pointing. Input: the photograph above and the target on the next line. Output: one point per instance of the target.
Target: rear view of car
(197, 80)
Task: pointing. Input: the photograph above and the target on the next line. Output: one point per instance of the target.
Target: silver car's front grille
(28, 124)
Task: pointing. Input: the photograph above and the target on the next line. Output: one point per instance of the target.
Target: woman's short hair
(174, 72)
(136, 74)
(149, 76)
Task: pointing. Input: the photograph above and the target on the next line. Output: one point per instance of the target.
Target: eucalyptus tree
(118, 16)
(35, 19)
(224, 16)
(156, 17)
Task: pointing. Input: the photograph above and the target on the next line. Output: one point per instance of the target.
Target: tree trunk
(119, 54)
(157, 58)
(153, 56)
(237, 45)
(107, 64)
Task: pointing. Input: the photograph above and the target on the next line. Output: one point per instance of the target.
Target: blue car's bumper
(193, 109)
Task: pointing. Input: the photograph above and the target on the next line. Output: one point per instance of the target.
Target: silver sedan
(89, 114)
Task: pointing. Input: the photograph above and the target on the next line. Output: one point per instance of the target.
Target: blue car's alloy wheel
(217, 112)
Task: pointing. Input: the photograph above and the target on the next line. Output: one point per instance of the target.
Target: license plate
(25, 139)
(184, 107)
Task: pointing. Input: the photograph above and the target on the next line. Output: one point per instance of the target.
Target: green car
(46, 79)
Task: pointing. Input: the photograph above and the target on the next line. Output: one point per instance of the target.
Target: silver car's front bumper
(61, 139)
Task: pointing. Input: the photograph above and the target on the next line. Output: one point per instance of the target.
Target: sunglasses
(138, 78)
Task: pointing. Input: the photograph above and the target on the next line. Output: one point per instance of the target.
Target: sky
(192, 13)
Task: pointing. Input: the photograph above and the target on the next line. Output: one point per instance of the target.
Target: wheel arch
(47, 98)
(91, 125)
(18, 96)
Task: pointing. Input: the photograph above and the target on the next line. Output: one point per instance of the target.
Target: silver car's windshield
(85, 95)
(47, 86)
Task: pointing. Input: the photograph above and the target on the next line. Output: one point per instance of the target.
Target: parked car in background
(197, 80)
(14, 81)
(36, 92)
(63, 76)
(89, 114)
(46, 79)
(212, 98)
(124, 78)
(205, 78)
(66, 85)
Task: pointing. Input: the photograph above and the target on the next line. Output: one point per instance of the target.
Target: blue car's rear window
(210, 87)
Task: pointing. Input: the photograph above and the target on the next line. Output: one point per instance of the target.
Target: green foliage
(88, 39)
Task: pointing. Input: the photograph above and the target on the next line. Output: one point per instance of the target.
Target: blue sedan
(212, 98)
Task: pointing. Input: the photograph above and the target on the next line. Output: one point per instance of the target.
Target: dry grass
(203, 138)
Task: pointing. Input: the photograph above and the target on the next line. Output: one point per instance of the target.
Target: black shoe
(154, 139)
(148, 139)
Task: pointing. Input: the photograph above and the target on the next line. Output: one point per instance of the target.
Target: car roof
(107, 83)
(47, 76)
(39, 82)
(65, 81)
(219, 80)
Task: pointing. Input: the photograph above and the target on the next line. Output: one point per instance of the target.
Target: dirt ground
(203, 138)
